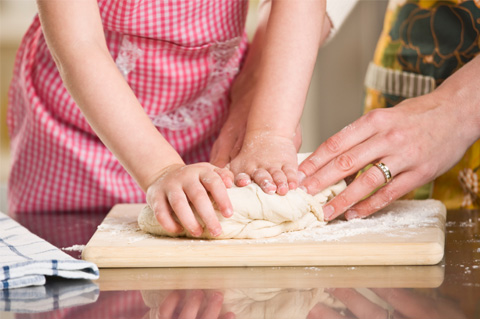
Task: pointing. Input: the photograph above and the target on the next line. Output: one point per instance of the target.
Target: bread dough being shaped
(257, 214)
(256, 303)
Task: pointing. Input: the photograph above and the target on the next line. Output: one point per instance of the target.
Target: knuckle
(345, 162)
(175, 198)
(333, 144)
(314, 184)
(341, 201)
(196, 193)
(165, 220)
(308, 167)
(395, 137)
(377, 117)
(372, 180)
(427, 172)
(386, 195)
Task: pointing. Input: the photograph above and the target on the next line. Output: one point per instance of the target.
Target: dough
(257, 303)
(257, 214)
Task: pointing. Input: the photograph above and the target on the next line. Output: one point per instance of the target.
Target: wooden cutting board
(405, 233)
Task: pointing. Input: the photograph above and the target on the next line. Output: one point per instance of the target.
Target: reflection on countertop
(450, 289)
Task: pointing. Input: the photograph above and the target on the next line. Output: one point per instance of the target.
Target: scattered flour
(401, 215)
(79, 248)
(402, 218)
(127, 228)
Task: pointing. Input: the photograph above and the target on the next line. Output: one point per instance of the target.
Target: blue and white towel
(56, 294)
(25, 258)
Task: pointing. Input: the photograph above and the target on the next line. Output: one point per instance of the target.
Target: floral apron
(423, 43)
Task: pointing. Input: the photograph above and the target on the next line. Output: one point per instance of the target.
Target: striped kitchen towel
(56, 294)
(25, 258)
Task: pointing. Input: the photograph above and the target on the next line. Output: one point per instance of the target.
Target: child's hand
(178, 186)
(269, 160)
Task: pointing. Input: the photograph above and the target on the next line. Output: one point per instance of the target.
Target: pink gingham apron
(179, 57)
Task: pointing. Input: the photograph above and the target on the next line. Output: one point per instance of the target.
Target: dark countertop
(450, 289)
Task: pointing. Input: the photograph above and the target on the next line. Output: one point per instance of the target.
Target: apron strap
(399, 83)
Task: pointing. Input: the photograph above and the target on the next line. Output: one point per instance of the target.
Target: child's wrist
(268, 131)
(160, 173)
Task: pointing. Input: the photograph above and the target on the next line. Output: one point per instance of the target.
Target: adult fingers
(348, 137)
(198, 196)
(214, 185)
(412, 305)
(398, 186)
(346, 164)
(179, 203)
(365, 184)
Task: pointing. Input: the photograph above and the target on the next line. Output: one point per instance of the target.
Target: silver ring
(386, 172)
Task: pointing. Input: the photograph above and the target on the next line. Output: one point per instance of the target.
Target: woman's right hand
(178, 186)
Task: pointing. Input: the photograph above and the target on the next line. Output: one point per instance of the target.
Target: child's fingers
(179, 203)
(198, 196)
(242, 179)
(292, 176)
(226, 176)
(192, 305)
(280, 179)
(214, 306)
(164, 216)
(171, 302)
(263, 178)
(214, 185)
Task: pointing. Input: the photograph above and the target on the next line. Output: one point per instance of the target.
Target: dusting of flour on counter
(402, 214)
(402, 218)
(126, 228)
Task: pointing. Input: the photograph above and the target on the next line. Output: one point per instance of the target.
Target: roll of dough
(257, 214)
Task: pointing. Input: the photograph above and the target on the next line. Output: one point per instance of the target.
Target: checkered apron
(179, 57)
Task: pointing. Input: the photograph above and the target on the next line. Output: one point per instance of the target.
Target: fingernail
(328, 212)
(196, 233)
(292, 185)
(283, 188)
(301, 176)
(216, 232)
(229, 212)
(268, 187)
(270, 191)
(351, 214)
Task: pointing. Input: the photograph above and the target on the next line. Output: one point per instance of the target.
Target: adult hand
(178, 186)
(418, 140)
(405, 303)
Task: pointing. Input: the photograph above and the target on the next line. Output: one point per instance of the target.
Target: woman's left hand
(417, 140)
